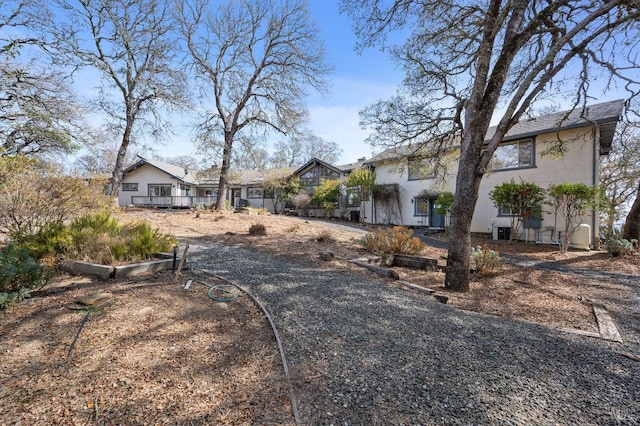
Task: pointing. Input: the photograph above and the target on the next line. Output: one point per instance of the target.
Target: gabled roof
(315, 162)
(398, 152)
(346, 168)
(176, 172)
(605, 115)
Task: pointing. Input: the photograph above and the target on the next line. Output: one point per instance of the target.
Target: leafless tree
(465, 60)
(620, 173)
(15, 17)
(101, 152)
(254, 60)
(301, 147)
(131, 44)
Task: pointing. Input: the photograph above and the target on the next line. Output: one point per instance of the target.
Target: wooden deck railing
(176, 202)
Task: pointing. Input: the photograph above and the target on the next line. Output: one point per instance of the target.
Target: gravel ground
(625, 313)
(363, 352)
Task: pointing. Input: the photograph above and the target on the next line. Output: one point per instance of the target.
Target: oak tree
(254, 61)
(470, 63)
(131, 45)
(39, 114)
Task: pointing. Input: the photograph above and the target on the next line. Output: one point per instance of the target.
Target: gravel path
(362, 352)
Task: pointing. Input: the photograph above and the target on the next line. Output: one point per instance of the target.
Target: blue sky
(357, 80)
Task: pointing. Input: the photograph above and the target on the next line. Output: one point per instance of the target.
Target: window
(255, 192)
(185, 189)
(420, 206)
(352, 196)
(309, 178)
(316, 175)
(206, 192)
(513, 156)
(505, 211)
(129, 186)
(328, 174)
(420, 169)
(159, 190)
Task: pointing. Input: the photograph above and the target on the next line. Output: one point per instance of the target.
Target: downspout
(594, 182)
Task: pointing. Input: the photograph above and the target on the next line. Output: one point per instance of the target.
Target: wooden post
(183, 258)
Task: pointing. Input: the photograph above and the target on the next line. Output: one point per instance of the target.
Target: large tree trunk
(467, 186)
(224, 170)
(118, 169)
(632, 224)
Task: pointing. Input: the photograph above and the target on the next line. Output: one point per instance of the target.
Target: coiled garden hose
(202, 279)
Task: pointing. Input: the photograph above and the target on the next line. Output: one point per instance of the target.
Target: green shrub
(485, 261)
(19, 273)
(144, 241)
(617, 246)
(99, 238)
(49, 240)
(37, 196)
(257, 229)
(389, 241)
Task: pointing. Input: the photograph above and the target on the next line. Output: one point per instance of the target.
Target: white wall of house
(144, 176)
(576, 166)
(406, 214)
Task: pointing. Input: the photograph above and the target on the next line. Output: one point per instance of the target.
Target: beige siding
(144, 176)
(576, 166)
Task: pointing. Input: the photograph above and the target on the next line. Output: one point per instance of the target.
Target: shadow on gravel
(364, 352)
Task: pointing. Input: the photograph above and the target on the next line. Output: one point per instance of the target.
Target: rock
(94, 299)
(326, 256)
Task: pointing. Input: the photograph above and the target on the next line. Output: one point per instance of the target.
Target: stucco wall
(576, 166)
(392, 173)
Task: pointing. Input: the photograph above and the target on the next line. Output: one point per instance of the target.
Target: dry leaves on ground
(547, 297)
(155, 353)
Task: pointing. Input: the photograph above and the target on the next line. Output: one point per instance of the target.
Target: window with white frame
(159, 190)
(505, 211)
(513, 155)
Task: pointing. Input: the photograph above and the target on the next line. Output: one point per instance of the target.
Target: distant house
(151, 183)
(413, 186)
(409, 180)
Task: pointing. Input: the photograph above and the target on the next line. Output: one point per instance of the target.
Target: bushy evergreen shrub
(19, 273)
(99, 238)
(617, 246)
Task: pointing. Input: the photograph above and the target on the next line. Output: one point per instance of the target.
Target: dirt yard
(552, 298)
(154, 353)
